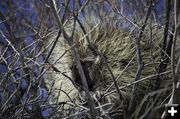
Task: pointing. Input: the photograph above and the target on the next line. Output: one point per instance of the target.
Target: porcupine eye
(86, 65)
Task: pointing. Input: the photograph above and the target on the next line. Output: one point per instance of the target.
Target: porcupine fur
(118, 47)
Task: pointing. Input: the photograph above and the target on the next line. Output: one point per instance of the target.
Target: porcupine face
(89, 68)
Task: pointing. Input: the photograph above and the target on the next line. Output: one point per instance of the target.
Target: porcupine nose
(86, 65)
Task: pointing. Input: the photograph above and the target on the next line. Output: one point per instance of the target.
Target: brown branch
(175, 91)
(80, 69)
(164, 58)
(138, 81)
(140, 62)
(102, 57)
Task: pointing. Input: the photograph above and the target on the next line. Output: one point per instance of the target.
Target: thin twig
(80, 69)
(140, 62)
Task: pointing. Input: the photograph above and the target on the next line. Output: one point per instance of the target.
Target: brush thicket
(118, 47)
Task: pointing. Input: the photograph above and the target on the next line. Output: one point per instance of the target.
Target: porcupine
(118, 48)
